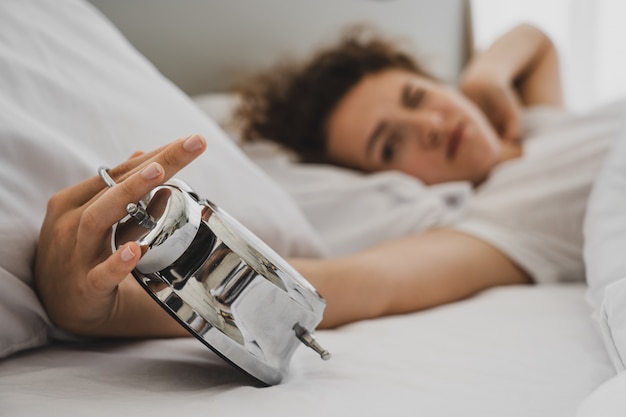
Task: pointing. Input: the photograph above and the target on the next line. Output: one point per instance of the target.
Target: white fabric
(532, 208)
(512, 351)
(352, 211)
(606, 401)
(605, 250)
(220, 108)
(75, 96)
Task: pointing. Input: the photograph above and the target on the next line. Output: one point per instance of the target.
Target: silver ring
(104, 174)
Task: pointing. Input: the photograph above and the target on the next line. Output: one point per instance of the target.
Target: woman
(381, 112)
(367, 105)
(360, 103)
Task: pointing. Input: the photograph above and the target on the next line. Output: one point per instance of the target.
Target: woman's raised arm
(520, 68)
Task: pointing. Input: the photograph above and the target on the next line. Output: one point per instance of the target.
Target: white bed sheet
(512, 351)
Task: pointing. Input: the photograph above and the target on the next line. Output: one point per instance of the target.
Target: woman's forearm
(138, 315)
(525, 58)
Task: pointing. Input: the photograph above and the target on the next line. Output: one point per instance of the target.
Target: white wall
(588, 34)
(202, 45)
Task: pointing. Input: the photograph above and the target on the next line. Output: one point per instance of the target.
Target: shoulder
(541, 117)
(537, 120)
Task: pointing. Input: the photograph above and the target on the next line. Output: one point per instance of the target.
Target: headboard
(203, 45)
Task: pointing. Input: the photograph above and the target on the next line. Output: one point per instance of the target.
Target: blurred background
(589, 35)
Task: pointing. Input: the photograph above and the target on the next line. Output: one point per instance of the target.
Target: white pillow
(220, 107)
(605, 252)
(76, 95)
(352, 211)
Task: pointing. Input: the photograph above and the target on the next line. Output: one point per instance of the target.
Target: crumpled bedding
(352, 211)
(605, 245)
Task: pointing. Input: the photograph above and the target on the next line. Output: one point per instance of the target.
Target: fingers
(511, 131)
(507, 126)
(172, 158)
(86, 190)
(503, 112)
(97, 219)
(134, 162)
(83, 192)
(509, 123)
(106, 209)
(106, 276)
(136, 154)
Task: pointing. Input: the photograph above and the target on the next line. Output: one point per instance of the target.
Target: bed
(513, 351)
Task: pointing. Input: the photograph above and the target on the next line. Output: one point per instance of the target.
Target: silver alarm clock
(219, 281)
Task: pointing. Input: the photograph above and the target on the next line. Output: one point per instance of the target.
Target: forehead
(371, 101)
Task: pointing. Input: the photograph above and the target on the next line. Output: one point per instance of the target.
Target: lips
(454, 141)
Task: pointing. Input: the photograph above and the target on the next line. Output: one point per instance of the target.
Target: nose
(430, 132)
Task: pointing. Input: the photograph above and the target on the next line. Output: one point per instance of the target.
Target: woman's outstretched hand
(85, 288)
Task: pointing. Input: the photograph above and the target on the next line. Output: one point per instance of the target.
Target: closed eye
(412, 96)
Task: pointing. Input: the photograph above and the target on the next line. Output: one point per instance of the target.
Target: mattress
(512, 351)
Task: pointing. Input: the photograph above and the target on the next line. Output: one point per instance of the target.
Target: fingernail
(152, 171)
(193, 143)
(127, 254)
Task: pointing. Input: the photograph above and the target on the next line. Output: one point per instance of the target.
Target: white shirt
(532, 207)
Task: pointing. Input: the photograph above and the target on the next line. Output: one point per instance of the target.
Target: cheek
(476, 116)
(339, 146)
(422, 166)
(477, 122)
(489, 143)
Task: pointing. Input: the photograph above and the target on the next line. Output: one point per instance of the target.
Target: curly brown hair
(291, 102)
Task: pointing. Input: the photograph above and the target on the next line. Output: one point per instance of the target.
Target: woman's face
(398, 120)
